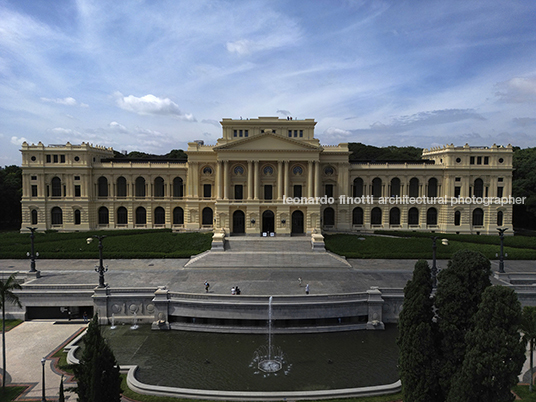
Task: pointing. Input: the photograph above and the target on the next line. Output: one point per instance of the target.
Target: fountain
(113, 322)
(269, 359)
(135, 322)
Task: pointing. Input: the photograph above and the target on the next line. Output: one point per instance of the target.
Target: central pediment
(268, 142)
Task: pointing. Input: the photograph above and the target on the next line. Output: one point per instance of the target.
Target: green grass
(401, 245)
(10, 324)
(62, 361)
(11, 393)
(523, 392)
(118, 244)
(150, 398)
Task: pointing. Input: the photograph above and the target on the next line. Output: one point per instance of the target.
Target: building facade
(267, 176)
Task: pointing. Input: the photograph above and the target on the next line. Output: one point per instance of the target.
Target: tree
(495, 351)
(10, 196)
(524, 185)
(7, 295)
(416, 341)
(97, 374)
(528, 327)
(458, 296)
(61, 396)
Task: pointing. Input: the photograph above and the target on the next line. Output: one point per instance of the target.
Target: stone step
(269, 244)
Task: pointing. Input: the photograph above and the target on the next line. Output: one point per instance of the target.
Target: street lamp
(501, 256)
(33, 254)
(434, 266)
(101, 269)
(43, 399)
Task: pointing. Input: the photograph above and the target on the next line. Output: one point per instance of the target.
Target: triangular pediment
(267, 142)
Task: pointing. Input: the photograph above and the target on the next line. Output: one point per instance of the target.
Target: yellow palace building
(267, 176)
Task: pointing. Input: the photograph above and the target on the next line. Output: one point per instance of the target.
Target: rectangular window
(77, 190)
(329, 190)
(500, 191)
(486, 160)
(240, 133)
(235, 133)
(55, 158)
(77, 177)
(301, 133)
(239, 192)
(500, 179)
(295, 133)
(298, 190)
(34, 177)
(62, 158)
(458, 179)
(246, 133)
(472, 160)
(49, 158)
(207, 190)
(290, 133)
(479, 160)
(457, 191)
(34, 190)
(268, 192)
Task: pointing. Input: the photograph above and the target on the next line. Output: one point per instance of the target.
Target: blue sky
(154, 75)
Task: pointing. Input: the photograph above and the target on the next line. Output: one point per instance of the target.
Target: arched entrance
(239, 225)
(268, 222)
(297, 222)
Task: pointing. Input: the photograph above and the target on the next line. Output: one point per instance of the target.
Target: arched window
(478, 217)
(178, 216)
(358, 187)
(140, 187)
(376, 216)
(394, 216)
(478, 188)
(121, 187)
(431, 216)
(77, 217)
(377, 187)
(104, 217)
(395, 187)
(357, 216)
(457, 218)
(122, 216)
(141, 216)
(34, 216)
(499, 218)
(413, 216)
(159, 188)
(178, 187)
(102, 187)
(159, 216)
(207, 216)
(414, 187)
(432, 187)
(56, 216)
(329, 217)
(56, 187)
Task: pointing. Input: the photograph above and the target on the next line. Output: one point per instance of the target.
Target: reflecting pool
(227, 361)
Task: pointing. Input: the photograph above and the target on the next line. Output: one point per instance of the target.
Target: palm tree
(528, 327)
(6, 295)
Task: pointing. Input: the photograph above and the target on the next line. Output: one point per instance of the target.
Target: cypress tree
(97, 374)
(528, 327)
(416, 341)
(495, 351)
(458, 296)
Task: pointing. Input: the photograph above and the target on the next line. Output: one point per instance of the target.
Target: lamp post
(43, 399)
(101, 269)
(501, 255)
(434, 266)
(33, 254)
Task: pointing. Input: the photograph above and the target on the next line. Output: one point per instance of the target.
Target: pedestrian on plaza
(237, 290)
(307, 289)
(207, 285)
(85, 317)
(300, 281)
(233, 290)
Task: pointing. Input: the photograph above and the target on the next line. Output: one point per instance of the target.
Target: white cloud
(118, 127)
(151, 105)
(64, 101)
(215, 123)
(18, 140)
(517, 90)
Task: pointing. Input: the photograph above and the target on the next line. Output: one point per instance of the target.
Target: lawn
(10, 324)
(11, 393)
(417, 245)
(118, 244)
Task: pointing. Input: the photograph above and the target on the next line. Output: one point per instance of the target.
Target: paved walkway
(26, 345)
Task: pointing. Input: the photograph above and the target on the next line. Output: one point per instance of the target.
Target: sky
(153, 75)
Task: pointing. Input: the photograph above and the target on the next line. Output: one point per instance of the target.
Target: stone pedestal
(375, 309)
(161, 309)
(100, 302)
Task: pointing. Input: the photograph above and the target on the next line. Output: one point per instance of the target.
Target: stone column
(280, 181)
(225, 180)
(218, 180)
(317, 179)
(250, 180)
(285, 170)
(310, 179)
(256, 180)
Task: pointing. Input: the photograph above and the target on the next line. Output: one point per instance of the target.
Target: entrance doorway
(297, 222)
(268, 222)
(239, 219)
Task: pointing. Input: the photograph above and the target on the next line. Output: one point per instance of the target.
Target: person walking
(207, 285)
(307, 289)
(300, 281)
